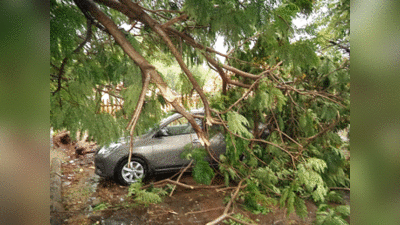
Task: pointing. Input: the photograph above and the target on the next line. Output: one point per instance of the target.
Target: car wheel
(127, 175)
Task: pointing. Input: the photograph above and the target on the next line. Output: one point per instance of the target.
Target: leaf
(290, 202)
(202, 172)
(284, 196)
(279, 97)
(281, 123)
(145, 197)
(237, 123)
(329, 215)
(334, 196)
(301, 208)
(313, 182)
(303, 122)
(318, 165)
(344, 210)
(319, 193)
(266, 175)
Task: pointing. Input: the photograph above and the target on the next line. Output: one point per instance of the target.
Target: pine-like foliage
(145, 197)
(239, 217)
(329, 215)
(237, 124)
(202, 172)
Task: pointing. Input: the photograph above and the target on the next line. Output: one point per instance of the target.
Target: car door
(217, 141)
(169, 146)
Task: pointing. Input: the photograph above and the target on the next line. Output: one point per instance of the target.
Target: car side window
(180, 126)
(215, 130)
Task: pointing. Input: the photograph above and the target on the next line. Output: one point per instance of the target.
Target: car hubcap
(132, 174)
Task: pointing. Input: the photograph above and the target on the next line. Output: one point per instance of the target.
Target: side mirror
(162, 132)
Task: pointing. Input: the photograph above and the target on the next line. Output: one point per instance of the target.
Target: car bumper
(103, 167)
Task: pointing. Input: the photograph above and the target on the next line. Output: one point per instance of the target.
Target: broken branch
(203, 211)
(180, 175)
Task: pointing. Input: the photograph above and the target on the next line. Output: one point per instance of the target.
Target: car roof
(178, 115)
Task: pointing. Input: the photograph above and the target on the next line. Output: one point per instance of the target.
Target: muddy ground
(89, 199)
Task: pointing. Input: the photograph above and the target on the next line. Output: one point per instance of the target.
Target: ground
(89, 199)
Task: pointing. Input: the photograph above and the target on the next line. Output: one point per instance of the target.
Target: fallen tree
(269, 82)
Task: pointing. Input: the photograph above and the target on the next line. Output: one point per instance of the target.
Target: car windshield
(151, 129)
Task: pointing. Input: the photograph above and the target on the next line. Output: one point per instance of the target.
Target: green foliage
(287, 198)
(329, 215)
(227, 170)
(266, 176)
(65, 21)
(317, 165)
(267, 97)
(145, 197)
(239, 217)
(254, 200)
(306, 122)
(202, 172)
(292, 201)
(235, 147)
(237, 124)
(309, 176)
(301, 208)
(334, 23)
(334, 196)
(101, 206)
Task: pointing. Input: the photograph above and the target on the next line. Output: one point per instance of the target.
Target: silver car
(157, 151)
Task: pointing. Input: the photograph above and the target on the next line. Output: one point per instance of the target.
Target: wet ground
(89, 199)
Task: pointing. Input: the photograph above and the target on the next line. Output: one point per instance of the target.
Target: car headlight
(107, 150)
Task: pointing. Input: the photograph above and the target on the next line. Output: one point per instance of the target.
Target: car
(157, 151)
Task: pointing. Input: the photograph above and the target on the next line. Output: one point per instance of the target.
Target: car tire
(126, 176)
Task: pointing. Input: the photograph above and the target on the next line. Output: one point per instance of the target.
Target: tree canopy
(299, 89)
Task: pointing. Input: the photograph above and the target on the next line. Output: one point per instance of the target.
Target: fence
(111, 108)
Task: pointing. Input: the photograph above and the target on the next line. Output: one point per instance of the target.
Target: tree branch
(243, 96)
(61, 69)
(244, 42)
(303, 92)
(138, 59)
(180, 175)
(222, 74)
(160, 31)
(82, 5)
(347, 49)
(225, 213)
(326, 129)
(136, 114)
(203, 211)
(258, 140)
(340, 188)
(250, 89)
(162, 10)
(107, 92)
(174, 20)
(195, 44)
